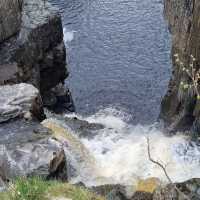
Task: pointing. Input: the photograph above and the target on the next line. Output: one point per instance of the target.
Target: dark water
(119, 56)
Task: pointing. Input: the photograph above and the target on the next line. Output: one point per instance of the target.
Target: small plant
(193, 77)
(36, 188)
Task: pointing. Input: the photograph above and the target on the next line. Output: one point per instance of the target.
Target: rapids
(118, 153)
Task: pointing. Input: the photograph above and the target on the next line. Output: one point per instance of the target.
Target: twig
(164, 170)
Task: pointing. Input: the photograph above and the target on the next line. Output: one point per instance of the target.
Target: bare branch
(164, 170)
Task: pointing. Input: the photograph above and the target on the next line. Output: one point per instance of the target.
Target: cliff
(180, 108)
(32, 48)
(32, 73)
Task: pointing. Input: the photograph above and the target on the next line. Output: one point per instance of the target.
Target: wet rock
(187, 190)
(59, 99)
(58, 167)
(19, 101)
(10, 18)
(37, 54)
(111, 192)
(79, 158)
(8, 74)
(142, 196)
(183, 19)
(82, 127)
(27, 148)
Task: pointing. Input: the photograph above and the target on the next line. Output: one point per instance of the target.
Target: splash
(120, 152)
(68, 35)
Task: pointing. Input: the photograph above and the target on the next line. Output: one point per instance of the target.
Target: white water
(68, 35)
(121, 156)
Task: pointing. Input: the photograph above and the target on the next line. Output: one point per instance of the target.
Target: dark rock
(82, 127)
(142, 196)
(111, 192)
(10, 18)
(59, 99)
(8, 74)
(183, 18)
(37, 54)
(187, 190)
(58, 167)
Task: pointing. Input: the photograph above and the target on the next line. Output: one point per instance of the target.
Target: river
(118, 54)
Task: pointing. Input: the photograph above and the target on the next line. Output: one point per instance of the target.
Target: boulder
(28, 149)
(20, 101)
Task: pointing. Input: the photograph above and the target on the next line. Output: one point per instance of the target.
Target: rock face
(10, 18)
(183, 17)
(26, 147)
(36, 54)
(32, 73)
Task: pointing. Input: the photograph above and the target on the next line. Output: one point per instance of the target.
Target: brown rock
(58, 166)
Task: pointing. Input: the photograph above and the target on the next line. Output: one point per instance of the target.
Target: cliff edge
(32, 49)
(180, 107)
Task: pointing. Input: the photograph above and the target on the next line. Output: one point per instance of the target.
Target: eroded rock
(58, 166)
(18, 101)
(37, 54)
(183, 18)
(10, 18)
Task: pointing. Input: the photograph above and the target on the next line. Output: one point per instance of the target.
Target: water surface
(118, 55)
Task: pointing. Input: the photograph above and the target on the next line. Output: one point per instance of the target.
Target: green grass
(38, 189)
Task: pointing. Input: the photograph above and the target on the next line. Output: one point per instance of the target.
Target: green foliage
(38, 189)
(72, 192)
(28, 189)
(191, 86)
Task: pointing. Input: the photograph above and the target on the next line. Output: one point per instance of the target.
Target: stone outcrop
(187, 190)
(183, 17)
(20, 101)
(26, 147)
(36, 53)
(32, 74)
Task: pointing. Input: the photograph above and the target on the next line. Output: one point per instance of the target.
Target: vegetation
(189, 85)
(38, 189)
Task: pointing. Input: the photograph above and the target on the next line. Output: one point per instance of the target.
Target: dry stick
(164, 170)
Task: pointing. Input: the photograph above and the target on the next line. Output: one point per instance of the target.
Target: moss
(70, 191)
(148, 185)
(39, 189)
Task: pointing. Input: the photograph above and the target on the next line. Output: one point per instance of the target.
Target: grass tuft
(38, 189)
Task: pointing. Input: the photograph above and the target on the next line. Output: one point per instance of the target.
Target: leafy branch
(192, 73)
